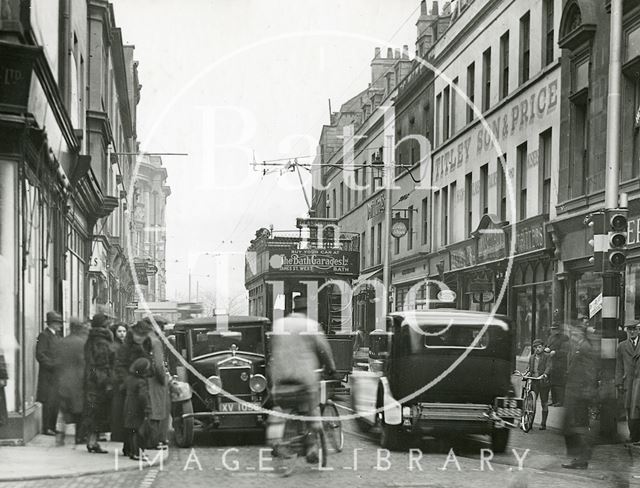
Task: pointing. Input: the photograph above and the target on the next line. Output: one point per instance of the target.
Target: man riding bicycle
(298, 350)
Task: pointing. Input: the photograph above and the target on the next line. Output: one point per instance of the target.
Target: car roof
(444, 315)
(213, 321)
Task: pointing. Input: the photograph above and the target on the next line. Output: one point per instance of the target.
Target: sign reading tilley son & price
(322, 261)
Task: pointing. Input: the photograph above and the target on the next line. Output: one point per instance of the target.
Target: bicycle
(290, 436)
(530, 399)
(331, 423)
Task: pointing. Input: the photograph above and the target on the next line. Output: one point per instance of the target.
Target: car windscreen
(250, 340)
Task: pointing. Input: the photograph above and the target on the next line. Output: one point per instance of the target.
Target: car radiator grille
(233, 382)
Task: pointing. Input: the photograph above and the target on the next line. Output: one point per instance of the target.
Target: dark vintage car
(227, 353)
(418, 389)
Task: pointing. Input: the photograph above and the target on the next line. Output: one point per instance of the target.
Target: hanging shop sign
(321, 261)
(141, 273)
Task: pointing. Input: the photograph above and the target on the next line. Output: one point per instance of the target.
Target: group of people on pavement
(103, 377)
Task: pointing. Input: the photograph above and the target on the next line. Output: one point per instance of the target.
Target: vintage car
(230, 387)
(443, 372)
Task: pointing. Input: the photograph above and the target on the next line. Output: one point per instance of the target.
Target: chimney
(435, 9)
(377, 53)
(423, 7)
(389, 53)
(405, 52)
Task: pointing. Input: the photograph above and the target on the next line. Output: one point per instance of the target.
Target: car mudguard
(179, 391)
(392, 408)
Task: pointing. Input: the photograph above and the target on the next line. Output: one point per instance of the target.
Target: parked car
(230, 386)
(422, 384)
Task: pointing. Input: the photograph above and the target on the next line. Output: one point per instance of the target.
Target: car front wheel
(183, 427)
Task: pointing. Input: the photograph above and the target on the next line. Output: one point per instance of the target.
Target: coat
(626, 356)
(582, 372)
(544, 367)
(98, 378)
(46, 346)
(70, 371)
(137, 405)
(119, 395)
(559, 343)
(4, 375)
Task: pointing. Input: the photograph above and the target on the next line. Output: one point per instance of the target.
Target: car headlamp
(213, 385)
(257, 383)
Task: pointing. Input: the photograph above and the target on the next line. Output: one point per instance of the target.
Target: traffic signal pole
(611, 277)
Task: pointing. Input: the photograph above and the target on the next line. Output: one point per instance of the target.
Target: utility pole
(386, 231)
(611, 277)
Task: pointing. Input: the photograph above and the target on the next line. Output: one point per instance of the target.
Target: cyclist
(539, 366)
(298, 350)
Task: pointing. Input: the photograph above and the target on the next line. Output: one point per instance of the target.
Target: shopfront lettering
(529, 239)
(375, 208)
(633, 231)
(511, 120)
(462, 257)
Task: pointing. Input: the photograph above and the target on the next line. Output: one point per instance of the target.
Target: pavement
(42, 459)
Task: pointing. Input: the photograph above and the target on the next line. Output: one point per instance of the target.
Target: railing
(306, 239)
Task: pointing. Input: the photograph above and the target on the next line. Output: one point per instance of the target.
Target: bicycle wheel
(332, 426)
(528, 411)
(287, 450)
(322, 447)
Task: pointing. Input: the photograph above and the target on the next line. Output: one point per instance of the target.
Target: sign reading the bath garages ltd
(321, 261)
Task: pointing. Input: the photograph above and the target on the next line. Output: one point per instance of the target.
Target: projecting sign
(323, 261)
(595, 306)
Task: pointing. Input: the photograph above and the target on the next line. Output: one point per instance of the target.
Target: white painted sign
(595, 306)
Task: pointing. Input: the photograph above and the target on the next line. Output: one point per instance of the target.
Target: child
(137, 406)
(539, 366)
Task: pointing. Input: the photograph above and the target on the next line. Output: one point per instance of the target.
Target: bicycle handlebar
(535, 378)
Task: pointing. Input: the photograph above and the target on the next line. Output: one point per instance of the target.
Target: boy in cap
(539, 367)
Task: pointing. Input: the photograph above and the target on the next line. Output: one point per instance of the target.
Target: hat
(537, 342)
(100, 320)
(140, 366)
(76, 325)
(53, 318)
(142, 327)
(630, 323)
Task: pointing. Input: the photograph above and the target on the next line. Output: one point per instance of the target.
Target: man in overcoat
(626, 355)
(558, 345)
(46, 349)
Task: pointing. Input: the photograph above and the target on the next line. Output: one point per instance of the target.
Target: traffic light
(617, 239)
(599, 240)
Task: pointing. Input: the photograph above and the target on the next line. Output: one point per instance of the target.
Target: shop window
(504, 65)
(587, 286)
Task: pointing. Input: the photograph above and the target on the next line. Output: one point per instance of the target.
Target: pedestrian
(70, 371)
(539, 367)
(558, 346)
(4, 376)
(626, 357)
(118, 433)
(47, 392)
(137, 407)
(98, 380)
(580, 394)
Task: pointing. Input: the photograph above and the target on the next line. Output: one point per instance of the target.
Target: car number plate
(238, 407)
(508, 407)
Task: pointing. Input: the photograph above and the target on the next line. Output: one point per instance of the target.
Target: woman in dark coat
(70, 371)
(118, 434)
(98, 380)
(136, 406)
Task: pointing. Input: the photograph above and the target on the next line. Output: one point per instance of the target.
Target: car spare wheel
(183, 427)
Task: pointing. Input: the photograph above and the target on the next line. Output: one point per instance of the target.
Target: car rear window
(454, 336)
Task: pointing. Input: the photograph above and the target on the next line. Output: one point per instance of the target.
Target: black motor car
(219, 375)
(443, 371)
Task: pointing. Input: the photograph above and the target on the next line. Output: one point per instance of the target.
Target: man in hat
(626, 355)
(46, 348)
(558, 348)
(539, 367)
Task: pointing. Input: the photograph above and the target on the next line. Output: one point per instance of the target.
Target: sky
(227, 81)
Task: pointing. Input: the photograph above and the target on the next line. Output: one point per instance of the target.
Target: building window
(410, 228)
(525, 34)
(363, 250)
(502, 188)
(631, 128)
(486, 80)
(341, 199)
(438, 120)
(348, 198)
(471, 90)
(372, 249)
(504, 65)
(484, 189)
(548, 33)
(379, 247)
(580, 146)
(454, 105)
(522, 181)
(425, 220)
(544, 152)
(468, 204)
(333, 203)
(436, 215)
(452, 203)
(444, 223)
(446, 110)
